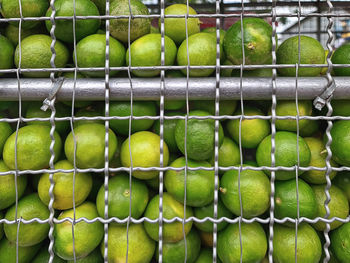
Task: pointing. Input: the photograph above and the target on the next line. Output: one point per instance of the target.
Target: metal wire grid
(106, 220)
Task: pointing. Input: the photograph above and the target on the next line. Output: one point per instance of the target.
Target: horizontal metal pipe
(175, 88)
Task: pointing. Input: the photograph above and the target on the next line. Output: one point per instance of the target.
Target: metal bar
(175, 89)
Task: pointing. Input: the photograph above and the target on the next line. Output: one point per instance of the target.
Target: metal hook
(57, 84)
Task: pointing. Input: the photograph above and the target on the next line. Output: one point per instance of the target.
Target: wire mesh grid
(325, 90)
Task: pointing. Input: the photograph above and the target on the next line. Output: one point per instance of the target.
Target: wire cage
(314, 18)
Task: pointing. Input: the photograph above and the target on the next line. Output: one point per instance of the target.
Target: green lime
(318, 159)
(176, 252)
(63, 189)
(168, 131)
(341, 56)
(286, 154)
(288, 108)
(8, 252)
(91, 52)
(259, 72)
(175, 27)
(311, 52)
(309, 248)
(6, 55)
(83, 28)
(5, 132)
(101, 5)
(12, 32)
(340, 243)
(227, 72)
(286, 199)
(254, 190)
(145, 153)
(31, 234)
(34, 111)
(172, 232)
(342, 180)
(254, 243)
(140, 247)
(89, 111)
(90, 145)
(200, 184)
(139, 108)
(212, 30)
(94, 257)
(8, 187)
(33, 148)
(36, 53)
(208, 211)
(310, 129)
(338, 206)
(146, 52)
(86, 236)
(257, 41)
(253, 131)
(119, 197)
(26, 8)
(341, 142)
(226, 107)
(229, 154)
(341, 107)
(43, 256)
(201, 52)
(138, 26)
(200, 136)
(206, 256)
(173, 104)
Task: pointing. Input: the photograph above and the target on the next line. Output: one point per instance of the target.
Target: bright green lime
(229, 154)
(12, 32)
(341, 56)
(342, 180)
(6, 55)
(341, 107)
(340, 243)
(5, 132)
(341, 143)
(8, 252)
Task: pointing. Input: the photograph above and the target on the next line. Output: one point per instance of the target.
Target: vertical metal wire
(273, 130)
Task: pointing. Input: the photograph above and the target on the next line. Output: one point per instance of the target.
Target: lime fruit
(139, 108)
(206, 256)
(341, 56)
(8, 187)
(91, 53)
(173, 104)
(43, 256)
(253, 131)
(90, 145)
(338, 206)
(28, 8)
(341, 142)
(342, 180)
(200, 184)
(172, 232)
(63, 189)
(12, 32)
(286, 154)
(86, 236)
(33, 148)
(5, 132)
(154, 30)
(176, 252)
(318, 159)
(254, 190)
(340, 243)
(286, 199)
(200, 136)
(89, 111)
(168, 131)
(208, 211)
(311, 52)
(31, 234)
(94, 257)
(227, 107)
(229, 154)
(146, 52)
(83, 27)
(175, 27)
(227, 72)
(288, 108)
(254, 243)
(212, 30)
(138, 26)
(119, 197)
(6, 55)
(140, 248)
(36, 53)
(145, 152)
(8, 252)
(101, 5)
(310, 129)
(257, 41)
(309, 248)
(201, 52)
(341, 107)
(34, 111)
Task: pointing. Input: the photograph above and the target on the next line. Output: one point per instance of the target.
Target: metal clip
(326, 96)
(57, 84)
